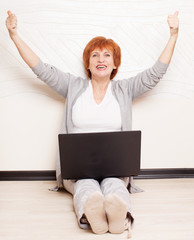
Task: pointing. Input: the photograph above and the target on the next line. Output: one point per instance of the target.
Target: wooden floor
(28, 211)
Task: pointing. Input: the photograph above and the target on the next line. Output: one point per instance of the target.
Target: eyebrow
(100, 51)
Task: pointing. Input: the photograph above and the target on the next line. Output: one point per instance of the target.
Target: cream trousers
(82, 189)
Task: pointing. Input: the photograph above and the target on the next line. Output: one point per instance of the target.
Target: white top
(88, 116)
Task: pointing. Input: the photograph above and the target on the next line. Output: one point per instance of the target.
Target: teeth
(101, 67)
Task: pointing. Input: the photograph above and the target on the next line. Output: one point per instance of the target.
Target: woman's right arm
(52, 76)
(30, 58)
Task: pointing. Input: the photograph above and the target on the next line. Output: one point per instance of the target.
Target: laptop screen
(100, 155)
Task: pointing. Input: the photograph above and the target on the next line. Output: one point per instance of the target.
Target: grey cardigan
(71, 87)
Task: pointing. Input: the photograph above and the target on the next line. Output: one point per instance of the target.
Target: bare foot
(116, 211)
(95, 213)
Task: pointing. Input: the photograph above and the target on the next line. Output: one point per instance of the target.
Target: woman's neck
(100, 84)
(99, 89)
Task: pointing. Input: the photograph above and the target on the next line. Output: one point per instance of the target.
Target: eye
(94, 55)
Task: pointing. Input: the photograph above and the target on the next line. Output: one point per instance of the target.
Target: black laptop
(100, 155)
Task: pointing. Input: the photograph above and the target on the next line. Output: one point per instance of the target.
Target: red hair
(101, 43)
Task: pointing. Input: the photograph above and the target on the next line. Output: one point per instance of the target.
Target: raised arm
(167, 53)
(25, 51)
(55, 78)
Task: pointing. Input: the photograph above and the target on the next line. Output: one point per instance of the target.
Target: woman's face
(101, 64)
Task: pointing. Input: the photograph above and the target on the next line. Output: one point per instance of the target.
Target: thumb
(9, 12)
(176, 13)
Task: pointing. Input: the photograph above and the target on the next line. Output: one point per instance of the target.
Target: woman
(98, 104)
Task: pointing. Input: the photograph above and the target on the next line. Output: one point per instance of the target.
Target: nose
(101, 58)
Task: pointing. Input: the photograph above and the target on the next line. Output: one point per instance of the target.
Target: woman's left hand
(173, 23)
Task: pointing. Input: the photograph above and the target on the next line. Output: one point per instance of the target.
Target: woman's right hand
(11, 23)
(24, 50)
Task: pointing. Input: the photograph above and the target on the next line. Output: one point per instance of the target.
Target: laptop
(100, 155)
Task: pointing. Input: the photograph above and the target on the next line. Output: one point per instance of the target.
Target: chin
(104, 75)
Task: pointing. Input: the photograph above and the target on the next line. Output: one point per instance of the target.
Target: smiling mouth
(101, 67)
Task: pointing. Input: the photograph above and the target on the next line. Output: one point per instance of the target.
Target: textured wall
(31, 113)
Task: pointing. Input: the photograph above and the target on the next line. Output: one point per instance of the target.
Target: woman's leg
(89, 202)
(117, 203)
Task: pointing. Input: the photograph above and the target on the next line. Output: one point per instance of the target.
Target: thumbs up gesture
(11, 23)
(173, 23)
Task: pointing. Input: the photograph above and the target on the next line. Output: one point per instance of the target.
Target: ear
(114, 67)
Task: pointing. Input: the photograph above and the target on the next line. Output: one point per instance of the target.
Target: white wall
(31, 113)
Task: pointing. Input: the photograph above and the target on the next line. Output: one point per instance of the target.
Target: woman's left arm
(167, 53)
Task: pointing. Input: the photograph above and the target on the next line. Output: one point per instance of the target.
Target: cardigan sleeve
(147, 79)
(52, 76)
